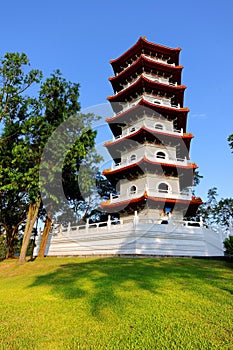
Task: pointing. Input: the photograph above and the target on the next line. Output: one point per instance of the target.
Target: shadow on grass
(101, 280)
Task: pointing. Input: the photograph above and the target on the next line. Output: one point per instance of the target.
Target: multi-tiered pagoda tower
(151, 171)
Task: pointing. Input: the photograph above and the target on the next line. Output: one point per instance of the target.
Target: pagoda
(151, 169)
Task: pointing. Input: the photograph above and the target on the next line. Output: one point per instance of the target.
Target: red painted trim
(146, 160)
(143, 80)
(142, 40)
(144, 58)
(126, 137)
(194, 201)
(147, 104)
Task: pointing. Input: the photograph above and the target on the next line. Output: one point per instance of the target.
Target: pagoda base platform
(145, 237)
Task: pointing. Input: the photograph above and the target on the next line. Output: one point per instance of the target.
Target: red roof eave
(141, 41)
(126, 137)
(143, 79)
(143, 57)
(144, 102)
(194, 201)
(145, 159)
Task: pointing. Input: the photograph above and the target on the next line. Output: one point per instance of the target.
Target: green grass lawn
(116, 303)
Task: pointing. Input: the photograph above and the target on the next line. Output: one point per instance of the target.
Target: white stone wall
(145, 237)
(150, 122)
(149, 181)
(150, 150)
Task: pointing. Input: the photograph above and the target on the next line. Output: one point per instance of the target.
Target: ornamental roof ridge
(154, 131)
(143, 78)
(141, 41)
(194, 200)
(145, 159)
(145, 103)
(145, 57)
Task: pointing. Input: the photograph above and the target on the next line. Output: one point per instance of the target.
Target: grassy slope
(116, 303)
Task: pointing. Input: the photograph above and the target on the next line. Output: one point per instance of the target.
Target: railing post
(87, 225)
(68, 229)
(109, 222)
(201, 221)
(135, 219)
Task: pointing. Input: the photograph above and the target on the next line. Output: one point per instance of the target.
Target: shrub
(228, 244)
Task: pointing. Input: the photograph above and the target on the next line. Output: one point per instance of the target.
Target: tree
(15, 108)
(28, 126)
(223, 212)
(67, 138)
(207, 209)
(14, 82)
(197, 178)
(216, 212)
(12, 217)
(72, 141)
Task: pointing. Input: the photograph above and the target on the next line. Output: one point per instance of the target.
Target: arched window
(133, 157)
(161, 155)
(133, 189)
(157, 101)
(159, 126)
(163, 187)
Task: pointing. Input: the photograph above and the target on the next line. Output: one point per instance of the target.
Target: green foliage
(15, 80)
(228, 244)
(116, 303)
(206, 210)
(16, 155)
(224, 211)
(216, 212)
(197, 178)
(230, 141)
(29, 124)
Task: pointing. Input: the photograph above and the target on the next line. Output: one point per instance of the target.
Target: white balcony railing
(187, 195)
(157, 100)
(152, 58)
(151, 157)
(151, 77)
(161, 80)
(160, 60)
(161, 101)
(149, 123)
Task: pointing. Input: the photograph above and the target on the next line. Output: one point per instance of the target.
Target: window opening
(133, 189)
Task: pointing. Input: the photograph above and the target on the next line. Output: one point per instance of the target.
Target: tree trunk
(10, 244)
(45, 235)
(31, 219)
(11, 236)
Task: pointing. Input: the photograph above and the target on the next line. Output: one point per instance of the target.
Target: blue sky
(80, 37)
